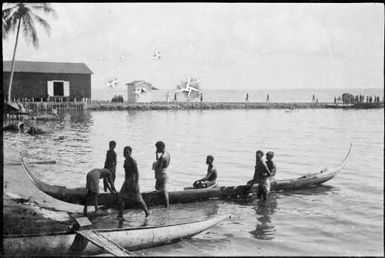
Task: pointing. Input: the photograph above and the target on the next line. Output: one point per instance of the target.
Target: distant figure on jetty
(160, 168)
(93, 186)
(267, 98)
(167, 96)
(271, 166)
(211, 176)
(130, 189)
(313, 98)
(175, 97)
(247, 97)
(261, 176)
(201, 97)
(110, 162)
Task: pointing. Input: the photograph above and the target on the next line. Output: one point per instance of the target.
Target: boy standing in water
(160, 168)
(261, 176)
(130, 189)
(271, 166)
(110, 162)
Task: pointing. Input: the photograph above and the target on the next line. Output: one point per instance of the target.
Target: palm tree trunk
(13, 62)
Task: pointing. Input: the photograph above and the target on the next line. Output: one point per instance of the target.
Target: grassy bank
(18, 218)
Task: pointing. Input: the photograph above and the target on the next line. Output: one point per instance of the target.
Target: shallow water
(343, 217)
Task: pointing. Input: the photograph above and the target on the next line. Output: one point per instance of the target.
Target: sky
(227, 45)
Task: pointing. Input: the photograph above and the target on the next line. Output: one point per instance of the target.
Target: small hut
(139, 91)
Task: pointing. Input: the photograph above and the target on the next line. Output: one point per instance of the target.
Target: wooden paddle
(32, 162)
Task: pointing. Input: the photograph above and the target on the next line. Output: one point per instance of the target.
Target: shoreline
(22, 219)
(26, 210)
(107, 105)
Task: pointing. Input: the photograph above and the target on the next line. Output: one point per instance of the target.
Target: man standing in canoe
(261, 176)
(160, 168)
(211, 176)
(130, 189)
(110, 162)
(93, 186)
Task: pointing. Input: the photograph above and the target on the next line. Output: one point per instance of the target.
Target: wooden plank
(107, 244)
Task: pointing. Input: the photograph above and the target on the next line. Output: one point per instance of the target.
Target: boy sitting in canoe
(211, 176)
(93, 186)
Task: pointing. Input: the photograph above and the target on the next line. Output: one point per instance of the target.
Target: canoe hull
(130, 239)
(154, 198)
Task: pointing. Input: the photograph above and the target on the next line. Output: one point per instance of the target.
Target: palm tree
(22, 16)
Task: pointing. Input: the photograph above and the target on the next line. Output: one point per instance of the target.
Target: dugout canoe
(54, 244)
(76, 195)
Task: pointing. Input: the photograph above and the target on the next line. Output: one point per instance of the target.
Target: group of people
(130, 190)
(263, 175)
(360, 99)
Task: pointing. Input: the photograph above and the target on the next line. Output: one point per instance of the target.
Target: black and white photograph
(193, 129)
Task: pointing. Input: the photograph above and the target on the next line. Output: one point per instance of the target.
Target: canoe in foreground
(128, 238)
(76, 195)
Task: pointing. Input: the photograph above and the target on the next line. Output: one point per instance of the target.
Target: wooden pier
(38, 107)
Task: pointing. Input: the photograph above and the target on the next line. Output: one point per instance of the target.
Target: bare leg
(85, 203)
(165, 194)
(95, 197)
(144, 207)
(121, 206)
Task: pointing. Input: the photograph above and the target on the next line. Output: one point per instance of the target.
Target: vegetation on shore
(21, 17)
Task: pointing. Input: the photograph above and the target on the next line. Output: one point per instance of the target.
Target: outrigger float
(76, 195)
(117, 241)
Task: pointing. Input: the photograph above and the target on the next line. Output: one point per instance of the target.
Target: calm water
(343, 217)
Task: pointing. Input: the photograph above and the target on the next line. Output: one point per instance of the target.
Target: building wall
(34, 85)
(131, 93)
(144, 97)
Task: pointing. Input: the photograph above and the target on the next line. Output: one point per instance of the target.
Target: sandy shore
(26, 210)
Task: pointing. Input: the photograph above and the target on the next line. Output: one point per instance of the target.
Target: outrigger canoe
(54, 244)
(76, 195)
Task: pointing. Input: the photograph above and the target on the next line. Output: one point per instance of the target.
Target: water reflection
(317, 190)
(177, 213)
(265, 229)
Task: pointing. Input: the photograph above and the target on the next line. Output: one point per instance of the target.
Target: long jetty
(106, 105)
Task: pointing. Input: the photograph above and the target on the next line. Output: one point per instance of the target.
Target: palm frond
(11, 22)
(29, 30)
(42, 22)
(7, 11)
(45, 7)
